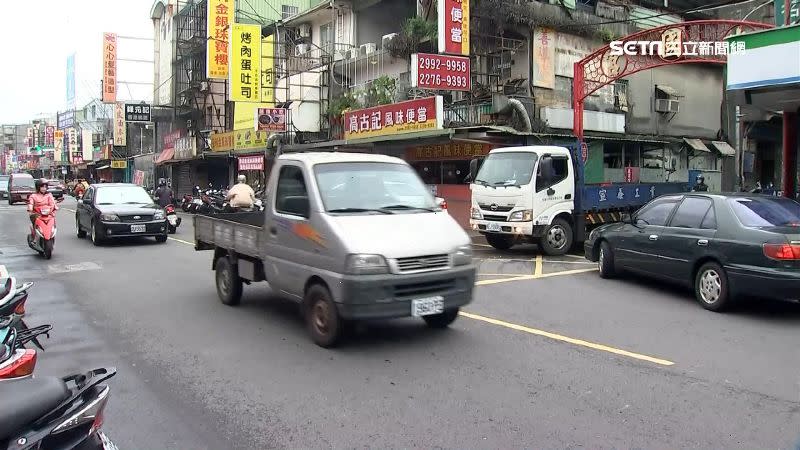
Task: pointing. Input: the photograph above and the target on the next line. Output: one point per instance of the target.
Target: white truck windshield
(507, 169)
(371, 187)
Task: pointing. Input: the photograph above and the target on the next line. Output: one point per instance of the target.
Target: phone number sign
(441, 72)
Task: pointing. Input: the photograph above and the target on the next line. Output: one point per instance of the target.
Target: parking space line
(537, 268)
(562, 338)
(567, 272)
(181, 241)
(505, 280)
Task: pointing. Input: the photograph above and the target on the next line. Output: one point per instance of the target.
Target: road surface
(548, 356)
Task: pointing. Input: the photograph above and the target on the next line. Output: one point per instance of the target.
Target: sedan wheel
(605, 261)
(711, 287)
(96, 239)
(80, 233)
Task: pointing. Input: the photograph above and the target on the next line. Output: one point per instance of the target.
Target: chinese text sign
(245, 69)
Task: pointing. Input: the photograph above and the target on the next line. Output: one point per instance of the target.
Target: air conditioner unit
(301, 49)
(664, 105)
(354, 53)
(304, 30)
(367, 49)
(387, 38)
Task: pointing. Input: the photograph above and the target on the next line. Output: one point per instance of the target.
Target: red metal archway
(681, 43)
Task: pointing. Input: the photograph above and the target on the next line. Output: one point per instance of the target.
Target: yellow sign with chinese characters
(220, 15)
(119, 164)
(268, 70)
(249, 139)
(245, 68)
(222, 142)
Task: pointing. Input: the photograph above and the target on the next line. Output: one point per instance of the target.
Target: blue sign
(65, 120)
(71, 81)
(626, 195)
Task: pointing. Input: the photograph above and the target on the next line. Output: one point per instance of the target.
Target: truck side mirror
(473, 169)
(546, 168)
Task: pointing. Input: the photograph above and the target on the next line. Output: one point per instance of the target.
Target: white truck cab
(525, 194)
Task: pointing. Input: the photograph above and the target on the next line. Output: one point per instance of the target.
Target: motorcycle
(52, 412)
(172, 218)
(186, 201)
(45, 229)
(16, 361)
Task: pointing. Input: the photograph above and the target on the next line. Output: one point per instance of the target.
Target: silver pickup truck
(348, 236)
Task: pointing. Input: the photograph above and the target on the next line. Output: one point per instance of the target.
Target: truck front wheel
(229, 285)
(322, 317)
(500, 241)
(557, 238)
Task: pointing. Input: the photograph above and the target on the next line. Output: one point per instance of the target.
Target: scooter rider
(164, 194)
(41, 198)
(701, 185)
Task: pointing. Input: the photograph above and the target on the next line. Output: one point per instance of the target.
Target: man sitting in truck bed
(241, 195)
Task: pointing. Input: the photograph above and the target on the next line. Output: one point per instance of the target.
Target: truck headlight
(158, 215)
(476, 214)
(363, 264)
(109, 217)
(462, 256)
(521, 216)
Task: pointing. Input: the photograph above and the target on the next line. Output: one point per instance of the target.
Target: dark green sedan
(725, 246)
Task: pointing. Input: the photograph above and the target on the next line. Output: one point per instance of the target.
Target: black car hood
(128, 209)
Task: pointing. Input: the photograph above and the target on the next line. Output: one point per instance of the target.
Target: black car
(724, 245)
(57, 188)
(115, 210)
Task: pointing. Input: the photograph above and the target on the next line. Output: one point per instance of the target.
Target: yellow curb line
(558, 337)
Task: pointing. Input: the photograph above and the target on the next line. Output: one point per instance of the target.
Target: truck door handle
(568, 196)
(702, 242)
(653, 237)
(551, 191)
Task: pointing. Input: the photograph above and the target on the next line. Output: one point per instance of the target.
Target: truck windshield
(371, 187)
(507, 169)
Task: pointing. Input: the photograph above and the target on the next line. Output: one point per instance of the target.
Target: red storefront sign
(171, 138)
(445, 72)
(254, 162)
(453, 26)
(631, 174)
(271, 119)
(397, 118)
(448, 151)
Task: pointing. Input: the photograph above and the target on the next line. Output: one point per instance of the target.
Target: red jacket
(37, 200)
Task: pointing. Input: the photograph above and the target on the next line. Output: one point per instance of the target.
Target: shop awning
(102, 167)
(724, 148)
(669, 90)
(697, 144)
(165, 155)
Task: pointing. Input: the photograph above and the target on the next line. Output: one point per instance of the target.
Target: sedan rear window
(22, 182)
(766, 211)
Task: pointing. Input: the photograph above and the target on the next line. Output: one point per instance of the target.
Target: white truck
(536, 194)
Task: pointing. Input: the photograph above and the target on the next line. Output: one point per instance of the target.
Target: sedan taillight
(782, 252)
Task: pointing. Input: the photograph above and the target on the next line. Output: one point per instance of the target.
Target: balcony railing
(468, 114)
(305, 57)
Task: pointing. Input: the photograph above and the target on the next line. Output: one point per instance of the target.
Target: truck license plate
(427, 306)
(138, 228)
(493, 227)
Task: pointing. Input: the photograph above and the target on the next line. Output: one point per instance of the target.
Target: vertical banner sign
(453, 26)
(268, 70)
(49, 132)
(86, 145)
(58, 146)
(120, 131)
(71, 82)
(544, 55)
(73, 145)
(109, 67)
(219, 19)
(245, 69)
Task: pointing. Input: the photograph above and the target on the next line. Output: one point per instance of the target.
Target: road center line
(558, 337)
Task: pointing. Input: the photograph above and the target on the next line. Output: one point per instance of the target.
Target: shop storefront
(243, 151)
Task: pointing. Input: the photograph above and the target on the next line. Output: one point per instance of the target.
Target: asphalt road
(548, 356)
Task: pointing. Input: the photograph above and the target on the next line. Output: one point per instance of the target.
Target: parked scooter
(51, 412)
(45, 230)
(172, 218)
(16, 361)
